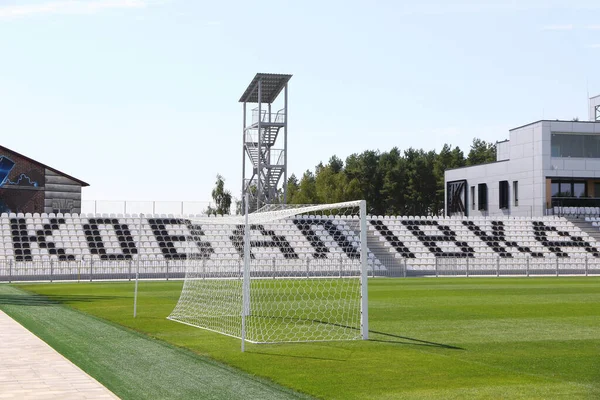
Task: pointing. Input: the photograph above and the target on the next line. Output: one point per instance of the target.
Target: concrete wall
(503, 151)
(594, 102)
(522, 163)
(527, 159)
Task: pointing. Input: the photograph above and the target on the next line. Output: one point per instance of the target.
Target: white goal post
(286, 273)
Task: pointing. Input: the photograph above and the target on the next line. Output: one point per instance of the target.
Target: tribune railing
(144, 207)
(276, 268)
(486, 266)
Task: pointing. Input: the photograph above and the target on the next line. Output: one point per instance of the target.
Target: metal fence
(486, 266)
(144, 207)
(88, 270)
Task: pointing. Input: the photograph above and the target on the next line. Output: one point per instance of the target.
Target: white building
(543, 164)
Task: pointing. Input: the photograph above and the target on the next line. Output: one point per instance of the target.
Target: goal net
(285, 273)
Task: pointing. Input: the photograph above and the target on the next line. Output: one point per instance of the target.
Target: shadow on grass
(405, 339)
(292, 356)
(39, 300)
(412, 341)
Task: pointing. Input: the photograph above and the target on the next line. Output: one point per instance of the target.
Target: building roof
(476, 165)
(82, 183)
(271, 86)
(554, 120)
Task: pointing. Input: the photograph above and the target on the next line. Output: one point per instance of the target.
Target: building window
(472, 197)
(503, 195)
(555, 189)
(564, 188)
(482, 197)
(575, 145)
(579, 189)
(516, 193)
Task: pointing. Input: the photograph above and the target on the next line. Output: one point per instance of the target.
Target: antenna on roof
(587, 88)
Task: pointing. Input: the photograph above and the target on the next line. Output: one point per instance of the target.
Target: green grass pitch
(450, 338)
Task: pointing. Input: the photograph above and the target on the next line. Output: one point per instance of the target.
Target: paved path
(30, 369)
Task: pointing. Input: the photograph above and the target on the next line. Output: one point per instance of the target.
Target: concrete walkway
(30, 369)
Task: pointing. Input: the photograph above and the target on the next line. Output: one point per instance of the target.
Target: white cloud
(593, 46)
(568, 27)
(593, 27)
(67, 7)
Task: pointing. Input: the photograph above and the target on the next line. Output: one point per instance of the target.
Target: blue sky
(139, 97)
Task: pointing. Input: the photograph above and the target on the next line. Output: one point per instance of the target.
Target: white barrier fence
(88, 270)
(144, 207)
(489, 266)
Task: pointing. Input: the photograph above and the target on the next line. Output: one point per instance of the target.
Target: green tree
(336, 164)
(394, 182)
(238, 206)
(307, 191)
(331, 182)
(447, 158)
(292, 188)
(221, 197)
(481, 152)
(421, 182)
(364, 168)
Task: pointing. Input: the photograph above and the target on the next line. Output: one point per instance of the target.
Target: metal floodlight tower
(260, 136)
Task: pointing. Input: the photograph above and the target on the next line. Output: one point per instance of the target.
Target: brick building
(28, 186)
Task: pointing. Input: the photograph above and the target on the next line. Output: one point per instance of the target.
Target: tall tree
(292, 188)
(221, 197)
(307, 191)
(422, 184)
(332, 182)
(394, 182)
(481, 152)
(447, 158)
(364, 168)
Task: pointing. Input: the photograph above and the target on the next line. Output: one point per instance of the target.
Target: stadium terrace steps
(423, 244)
(381, 249)
(587, 226)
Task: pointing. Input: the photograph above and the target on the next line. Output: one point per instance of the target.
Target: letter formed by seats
(166, 241)
(541, 230)
(96, 243)
(278, 241)
(431, 241)
(22, 240)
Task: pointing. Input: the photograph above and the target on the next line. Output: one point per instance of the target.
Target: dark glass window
(575, 145)
(482, 197)
(578, 189)
(472, 197)
(503, 195)
(568, 188)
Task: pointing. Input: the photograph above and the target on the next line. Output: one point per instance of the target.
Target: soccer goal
(297, 274)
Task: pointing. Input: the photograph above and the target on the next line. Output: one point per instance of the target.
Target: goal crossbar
(317, 287)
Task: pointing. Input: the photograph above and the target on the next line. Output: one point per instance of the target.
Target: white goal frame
(279, 212)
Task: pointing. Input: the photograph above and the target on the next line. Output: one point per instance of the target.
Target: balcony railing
(575, 206)
(278, 117)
